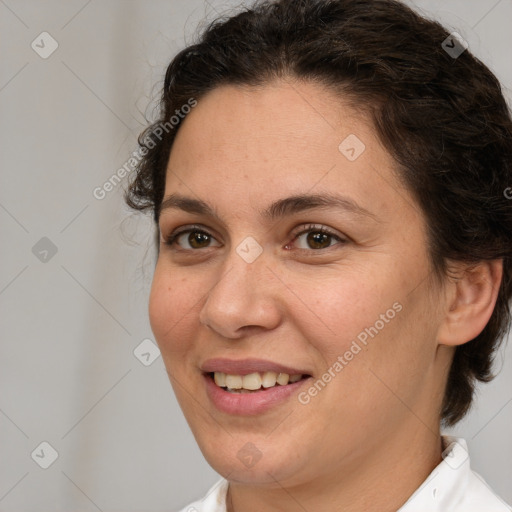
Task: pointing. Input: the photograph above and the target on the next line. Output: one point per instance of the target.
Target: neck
(382, 481)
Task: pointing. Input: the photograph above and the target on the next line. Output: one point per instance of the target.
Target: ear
(471, 296)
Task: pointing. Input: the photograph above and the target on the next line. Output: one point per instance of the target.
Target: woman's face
(298, 252)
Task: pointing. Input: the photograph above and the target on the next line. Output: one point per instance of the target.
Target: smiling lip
(249, 404)
(247, 366)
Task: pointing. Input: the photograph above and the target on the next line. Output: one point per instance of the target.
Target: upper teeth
(254, 381)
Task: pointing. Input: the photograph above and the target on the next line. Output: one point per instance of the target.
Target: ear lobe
(473, 295)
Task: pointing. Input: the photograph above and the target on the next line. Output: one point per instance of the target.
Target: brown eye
(192, 239)
(318, 240)
(198, 239)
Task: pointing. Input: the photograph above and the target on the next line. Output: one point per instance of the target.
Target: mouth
(251, 386)
(254, 382)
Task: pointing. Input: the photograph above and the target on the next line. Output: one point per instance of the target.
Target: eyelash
(310, 228)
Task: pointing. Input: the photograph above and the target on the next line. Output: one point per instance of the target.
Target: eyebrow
(280, 208)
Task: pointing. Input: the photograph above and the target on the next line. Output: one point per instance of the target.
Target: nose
(244, 298)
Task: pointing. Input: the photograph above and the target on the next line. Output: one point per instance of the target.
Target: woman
(334, 271)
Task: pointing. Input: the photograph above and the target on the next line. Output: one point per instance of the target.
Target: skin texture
(370, 437)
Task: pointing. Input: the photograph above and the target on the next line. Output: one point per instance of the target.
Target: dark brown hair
(442, 117)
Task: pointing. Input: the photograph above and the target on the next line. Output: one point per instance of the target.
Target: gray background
(70, 323)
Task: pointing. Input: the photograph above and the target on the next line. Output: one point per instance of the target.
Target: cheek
(170, 308)
(371, 325)
(338, 309)
(364, 321)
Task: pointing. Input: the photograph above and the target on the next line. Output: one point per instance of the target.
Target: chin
(258, 463)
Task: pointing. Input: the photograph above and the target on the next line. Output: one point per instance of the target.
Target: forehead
(300, 119)
(294, 137)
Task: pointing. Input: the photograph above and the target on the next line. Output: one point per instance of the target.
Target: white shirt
(451, 487)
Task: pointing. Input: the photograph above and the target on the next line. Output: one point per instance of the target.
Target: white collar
(453, 486)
